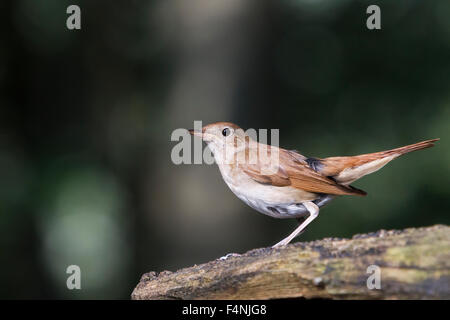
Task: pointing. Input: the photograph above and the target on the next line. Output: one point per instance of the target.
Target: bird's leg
(313, 213)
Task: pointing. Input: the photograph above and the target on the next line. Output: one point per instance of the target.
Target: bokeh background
(86, 117)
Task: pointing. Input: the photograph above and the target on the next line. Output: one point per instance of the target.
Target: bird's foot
(282, 243)
(225, 257)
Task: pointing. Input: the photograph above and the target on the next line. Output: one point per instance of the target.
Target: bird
(283, 183)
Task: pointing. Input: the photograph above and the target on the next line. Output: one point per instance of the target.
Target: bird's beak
(195, 133)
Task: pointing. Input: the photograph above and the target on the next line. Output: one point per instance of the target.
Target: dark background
(86, 117)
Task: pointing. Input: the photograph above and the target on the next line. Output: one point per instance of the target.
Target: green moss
(421, 256)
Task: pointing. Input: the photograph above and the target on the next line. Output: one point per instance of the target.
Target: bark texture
(414, 264)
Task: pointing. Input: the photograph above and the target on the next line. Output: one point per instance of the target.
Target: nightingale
(283, 183)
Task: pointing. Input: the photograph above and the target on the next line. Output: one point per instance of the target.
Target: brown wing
(303, 177)
(256, 171)
(281, 179)
(294, 171)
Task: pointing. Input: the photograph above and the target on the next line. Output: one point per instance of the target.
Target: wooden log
(413, 264)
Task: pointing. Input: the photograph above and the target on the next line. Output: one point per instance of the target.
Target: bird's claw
(229, 255)
(280, 244)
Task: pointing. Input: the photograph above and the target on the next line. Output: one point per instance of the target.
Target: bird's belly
(283, 210)
(277, 202)
(280, 202)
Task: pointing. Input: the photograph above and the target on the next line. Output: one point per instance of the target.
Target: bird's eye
(226, 132)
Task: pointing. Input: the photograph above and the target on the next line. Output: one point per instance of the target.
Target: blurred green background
(86, 116)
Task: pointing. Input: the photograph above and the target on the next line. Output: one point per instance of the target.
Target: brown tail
(412, 147)
(345, 170)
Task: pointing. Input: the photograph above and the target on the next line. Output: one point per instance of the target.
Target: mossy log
(413, 264)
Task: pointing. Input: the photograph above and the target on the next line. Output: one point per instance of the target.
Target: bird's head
(220, 133)
(221, 136)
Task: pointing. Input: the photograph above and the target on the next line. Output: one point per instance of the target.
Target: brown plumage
(334, 166)
(328, 175)
(295, 172)
(293, 186)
